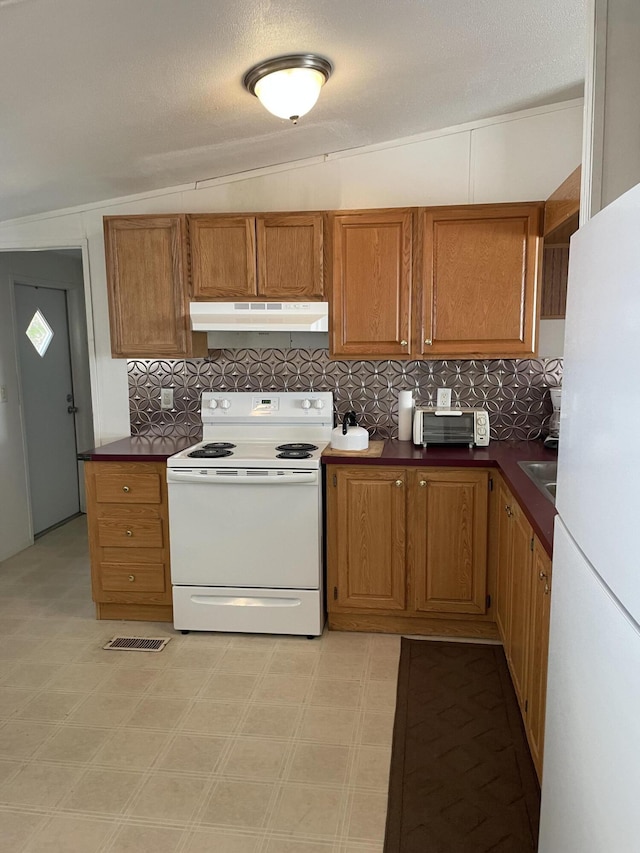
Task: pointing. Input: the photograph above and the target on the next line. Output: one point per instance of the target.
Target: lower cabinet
(129, 540)
(523, 587)
(407, 549)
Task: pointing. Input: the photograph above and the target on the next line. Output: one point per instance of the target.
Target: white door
(47, 403)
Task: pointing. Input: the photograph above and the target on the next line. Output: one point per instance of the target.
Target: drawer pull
(125, 488)
(398, 482)
(132, 577)
(129, 533)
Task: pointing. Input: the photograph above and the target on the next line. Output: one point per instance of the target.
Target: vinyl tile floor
(222, 742)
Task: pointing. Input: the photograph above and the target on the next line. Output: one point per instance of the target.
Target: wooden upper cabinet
(370, 274)
(448, 540)
(223, 257)
(290, 255)
(269, 256)
(367, 506)
(479, 277)
(146, 282)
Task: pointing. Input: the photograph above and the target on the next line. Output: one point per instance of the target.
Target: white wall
(29, 268)
(612, 129)
(519, 157)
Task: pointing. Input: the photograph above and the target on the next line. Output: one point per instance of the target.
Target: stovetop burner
(203, 453)
(296, 446)
(219, 445)
(294, 454)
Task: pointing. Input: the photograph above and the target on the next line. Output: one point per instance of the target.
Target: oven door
(245, 527)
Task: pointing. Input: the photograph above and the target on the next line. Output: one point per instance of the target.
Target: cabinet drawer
(117, 487)
(133, 577)
(132, 534)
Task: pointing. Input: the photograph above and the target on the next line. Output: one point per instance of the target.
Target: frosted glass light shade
(290, 93)
(288, 86)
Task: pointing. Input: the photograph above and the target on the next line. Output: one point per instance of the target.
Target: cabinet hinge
(335, 480)
(335, 593)
(488, 602)
(531, 544)
(490, 484)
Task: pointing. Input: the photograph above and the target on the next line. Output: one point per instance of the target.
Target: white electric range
(245, 515)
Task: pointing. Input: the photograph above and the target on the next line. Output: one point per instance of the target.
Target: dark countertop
(503, 455)
(139, 448)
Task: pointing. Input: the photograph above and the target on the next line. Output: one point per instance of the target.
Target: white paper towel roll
(405, 415)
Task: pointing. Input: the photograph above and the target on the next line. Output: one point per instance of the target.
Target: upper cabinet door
(371, 256)
(223, 257)
(479, 275)
(290, 255)
(148, 307)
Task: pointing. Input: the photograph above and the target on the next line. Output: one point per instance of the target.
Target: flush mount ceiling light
(288, 86)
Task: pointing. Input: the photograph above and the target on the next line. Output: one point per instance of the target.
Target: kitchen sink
(543, 475)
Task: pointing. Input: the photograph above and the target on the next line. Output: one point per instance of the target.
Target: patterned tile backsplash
(515, 391)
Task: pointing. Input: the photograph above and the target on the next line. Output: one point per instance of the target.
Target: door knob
(72, 409)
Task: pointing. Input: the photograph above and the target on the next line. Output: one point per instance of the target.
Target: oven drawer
(128, 488)
(132, 533)
(132, 577)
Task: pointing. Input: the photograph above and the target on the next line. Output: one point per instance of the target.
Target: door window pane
(39, 333)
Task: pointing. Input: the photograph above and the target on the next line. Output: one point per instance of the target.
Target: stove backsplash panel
(515, 391)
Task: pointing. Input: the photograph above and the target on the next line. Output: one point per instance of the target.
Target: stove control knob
(306, 404)
(225, 404)
(318, 404)
(213, 404)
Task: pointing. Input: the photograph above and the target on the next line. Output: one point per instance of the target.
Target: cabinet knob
(423, 482)
(547, 589)
(398, 482)
(507, 509)
(125, 488)
(129, 532)
(132, 577)
(403, 343)
(542, 576)
(428, 341)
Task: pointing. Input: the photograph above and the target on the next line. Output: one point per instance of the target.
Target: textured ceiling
(104, 98)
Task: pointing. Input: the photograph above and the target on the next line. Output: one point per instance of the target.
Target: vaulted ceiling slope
(104, 99)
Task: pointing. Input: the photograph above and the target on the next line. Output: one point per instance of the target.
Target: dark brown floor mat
(461, 779)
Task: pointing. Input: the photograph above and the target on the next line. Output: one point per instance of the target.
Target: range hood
(259, 316)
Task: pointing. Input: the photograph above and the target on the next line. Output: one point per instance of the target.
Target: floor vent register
(137, 644)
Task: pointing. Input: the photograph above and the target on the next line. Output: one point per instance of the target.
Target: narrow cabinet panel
(370, 517)
(520, 592)
(223, 256)
(290, 255)
(448, 550)
(501, 521)
(538, 652)
(371, 259)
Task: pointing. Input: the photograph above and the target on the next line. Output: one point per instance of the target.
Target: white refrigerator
(591, 778)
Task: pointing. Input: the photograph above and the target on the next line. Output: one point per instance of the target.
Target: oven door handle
(176, 475)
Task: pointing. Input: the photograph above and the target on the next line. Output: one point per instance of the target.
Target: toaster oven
(450, 426)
